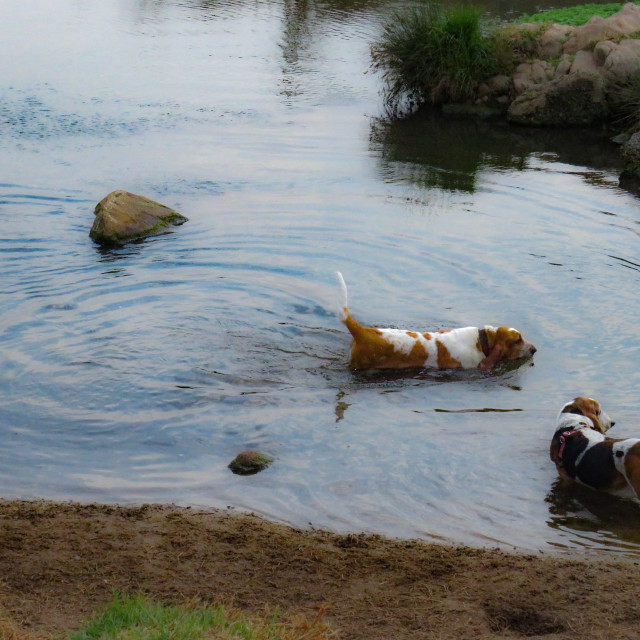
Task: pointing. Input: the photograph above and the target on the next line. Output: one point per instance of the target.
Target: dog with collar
(465, 348)
(583, 453)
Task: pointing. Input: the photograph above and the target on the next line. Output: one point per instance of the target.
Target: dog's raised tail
(343, 310)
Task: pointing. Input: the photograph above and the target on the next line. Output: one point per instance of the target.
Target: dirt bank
(59, 562)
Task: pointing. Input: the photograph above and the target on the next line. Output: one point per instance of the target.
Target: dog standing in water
(584, 454)
(465, 348)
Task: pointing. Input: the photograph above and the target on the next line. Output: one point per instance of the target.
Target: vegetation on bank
(574, 16)
(429, 55)
(137, 618)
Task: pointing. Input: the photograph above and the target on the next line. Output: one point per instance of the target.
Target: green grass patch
(429, 55)
(574, 16)
(137, 618)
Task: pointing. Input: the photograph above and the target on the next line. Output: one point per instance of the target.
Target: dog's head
(587, 408)
(504, 344)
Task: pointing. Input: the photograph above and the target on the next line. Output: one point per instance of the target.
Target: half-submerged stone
(122, 216)
(250, 462)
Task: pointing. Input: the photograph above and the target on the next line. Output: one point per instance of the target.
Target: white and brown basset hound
(465, 348)
(584, 454)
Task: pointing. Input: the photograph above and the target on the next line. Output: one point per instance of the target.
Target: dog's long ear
(490, 361)
(572, 407)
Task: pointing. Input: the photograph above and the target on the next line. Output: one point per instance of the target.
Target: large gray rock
(569, 100)
(122, 216)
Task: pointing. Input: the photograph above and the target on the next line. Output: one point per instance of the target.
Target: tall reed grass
(429, 55)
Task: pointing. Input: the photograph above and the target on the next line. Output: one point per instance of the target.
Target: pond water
(136, 374)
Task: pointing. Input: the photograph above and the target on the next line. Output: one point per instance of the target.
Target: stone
(571, 100)
(551, 41)
(250, 462)
(622, 62)
(603, 49)
(585, 62)
(529, 74)
(563, 66)
(122, 216)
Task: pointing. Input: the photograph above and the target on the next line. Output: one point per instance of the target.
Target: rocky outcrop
(122, 216)
(573, 71)
(571, 100)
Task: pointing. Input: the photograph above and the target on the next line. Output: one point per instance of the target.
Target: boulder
(585, 62)
(551, 41)
(122, 216)
(576, 99)
(622, 62)
(249, 462)
(529, 74)
(564, 65)
(602, 50)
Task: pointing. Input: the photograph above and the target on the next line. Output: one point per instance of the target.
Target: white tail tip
(342, 309)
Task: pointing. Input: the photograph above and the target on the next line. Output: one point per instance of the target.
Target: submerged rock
(122, 216)
(249, 462)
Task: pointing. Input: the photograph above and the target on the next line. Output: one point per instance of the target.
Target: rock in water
(122, 216)
(250, 462)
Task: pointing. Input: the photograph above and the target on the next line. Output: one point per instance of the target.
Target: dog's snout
(533, 349)
(613, 422)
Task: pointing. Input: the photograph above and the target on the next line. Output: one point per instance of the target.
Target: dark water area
(136, 374)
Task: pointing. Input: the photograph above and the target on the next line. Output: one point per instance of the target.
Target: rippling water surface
(137, 374)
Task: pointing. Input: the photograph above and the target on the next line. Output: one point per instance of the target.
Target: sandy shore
(60, 562)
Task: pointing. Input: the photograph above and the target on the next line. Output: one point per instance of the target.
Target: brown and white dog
(465, 348)
(583, 453)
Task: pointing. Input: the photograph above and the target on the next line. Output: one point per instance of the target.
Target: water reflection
(593, 515)
(432, 150)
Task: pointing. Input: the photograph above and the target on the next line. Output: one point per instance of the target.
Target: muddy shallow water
(136, 374)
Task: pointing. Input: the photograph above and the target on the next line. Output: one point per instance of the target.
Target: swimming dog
(464, 348)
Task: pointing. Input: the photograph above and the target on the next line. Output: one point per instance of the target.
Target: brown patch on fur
(369, 350)
(445, 359)
(418, 356)
(426, 336)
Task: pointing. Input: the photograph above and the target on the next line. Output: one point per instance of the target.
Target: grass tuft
(624, 99)
(429, 55)
(137, 618)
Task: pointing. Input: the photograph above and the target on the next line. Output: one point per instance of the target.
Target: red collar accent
(567, 434)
